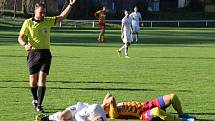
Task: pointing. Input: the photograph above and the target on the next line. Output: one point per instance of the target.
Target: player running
(147, 111)
(78, 112)
(136, 18)
(126, 30)
(101, 15)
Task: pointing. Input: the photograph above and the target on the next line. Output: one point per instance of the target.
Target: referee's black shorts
(39, 60)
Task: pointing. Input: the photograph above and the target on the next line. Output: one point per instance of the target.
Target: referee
(37, 29)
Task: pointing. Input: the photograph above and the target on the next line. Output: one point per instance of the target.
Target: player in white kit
(78, 112)
(126, 31)
(136, 18)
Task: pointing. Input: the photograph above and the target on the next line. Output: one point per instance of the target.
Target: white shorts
(127, 38)
(136, 28)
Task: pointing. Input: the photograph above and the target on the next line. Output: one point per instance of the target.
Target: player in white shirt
(126, 30)
(136, 18)
(78, 112)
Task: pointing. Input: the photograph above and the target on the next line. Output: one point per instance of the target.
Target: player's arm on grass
(65, 13)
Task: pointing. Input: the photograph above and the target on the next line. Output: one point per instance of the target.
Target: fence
(117, 23)
(151, 24)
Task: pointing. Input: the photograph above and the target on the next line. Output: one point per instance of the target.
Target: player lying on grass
(148, 111)
(78, 112)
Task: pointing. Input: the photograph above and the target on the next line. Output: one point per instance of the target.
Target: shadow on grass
(100, 89)
(197, 58)
(90, 82)
(21, 56)
(213, 114)
(200, 114)
(67, 37)
(193, 58)
(53, 110)
(204, 120)
(12, 56)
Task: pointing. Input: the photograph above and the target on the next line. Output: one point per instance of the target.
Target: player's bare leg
(101, 36)
(173, 100)
(126, 49)
(120, 50)
(157, 112)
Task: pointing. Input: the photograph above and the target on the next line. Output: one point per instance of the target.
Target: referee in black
(37, 29)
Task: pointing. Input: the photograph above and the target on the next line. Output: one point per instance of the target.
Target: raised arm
(110, 106)
(65, 13)
(96, 14)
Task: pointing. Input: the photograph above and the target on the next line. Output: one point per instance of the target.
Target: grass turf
(167, 60)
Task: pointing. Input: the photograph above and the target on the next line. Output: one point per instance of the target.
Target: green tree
(2, 5)
(196, 5)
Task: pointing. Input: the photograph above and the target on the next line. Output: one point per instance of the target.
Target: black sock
(34, 92)
(41, 94)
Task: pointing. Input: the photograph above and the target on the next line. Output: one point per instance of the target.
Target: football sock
(132, 37)
(55, 116)
(126, 50)
(136, 38)
(176, 104)
(102, 37)
(123, 47)
(41, 94)
(99, 38)
(157, 112)
(34, 92)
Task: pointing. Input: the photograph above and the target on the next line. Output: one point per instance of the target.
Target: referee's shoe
(39, 109)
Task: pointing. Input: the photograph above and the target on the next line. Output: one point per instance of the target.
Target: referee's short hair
(39, 4)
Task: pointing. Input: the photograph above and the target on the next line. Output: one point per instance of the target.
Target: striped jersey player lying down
(154, 110)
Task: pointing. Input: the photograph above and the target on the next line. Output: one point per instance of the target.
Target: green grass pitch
(167, 60)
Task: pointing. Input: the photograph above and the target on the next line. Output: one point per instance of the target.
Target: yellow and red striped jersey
(126, 110)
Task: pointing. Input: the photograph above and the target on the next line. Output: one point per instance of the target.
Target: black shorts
(39, 60)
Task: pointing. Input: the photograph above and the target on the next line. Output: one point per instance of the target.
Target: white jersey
(136, 17)
(126, 21)
(86, 112)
